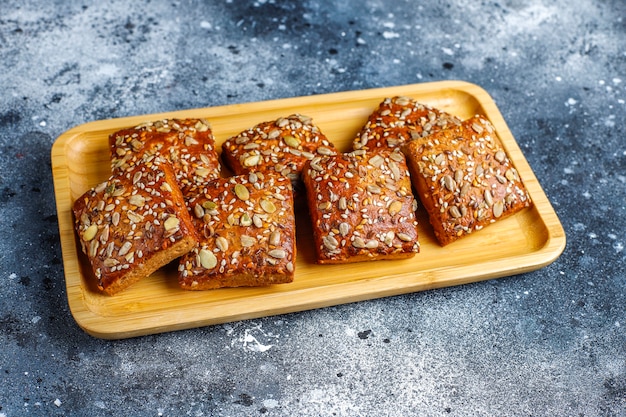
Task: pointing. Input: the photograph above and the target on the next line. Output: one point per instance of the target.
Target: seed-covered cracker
(398, 120)
(188, 144)
(246, 225)
(362, 207)
(465, 179)
(283, 145)
(132, 224)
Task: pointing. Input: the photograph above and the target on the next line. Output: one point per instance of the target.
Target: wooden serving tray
(524, 242)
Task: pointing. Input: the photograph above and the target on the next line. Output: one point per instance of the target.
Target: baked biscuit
(247, 233)
(398, 120)
(132, 224)
(361, 206)
(464, 179)
(188, 144)
(283, 145)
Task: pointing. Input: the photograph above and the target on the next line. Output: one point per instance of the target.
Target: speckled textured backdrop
(547, 343)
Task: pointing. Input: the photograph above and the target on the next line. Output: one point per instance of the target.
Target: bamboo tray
(524, 242)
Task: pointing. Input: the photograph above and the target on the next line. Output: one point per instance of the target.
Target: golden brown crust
(246, 225)
(362, 207)
(188, 144)
(132, 224)
(398, 120)
(283, 145)
(464, 179)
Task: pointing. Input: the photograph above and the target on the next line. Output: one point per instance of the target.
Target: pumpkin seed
(207, 259)
(292, 141)
(242, 192)
(268, 206)
(245, 220)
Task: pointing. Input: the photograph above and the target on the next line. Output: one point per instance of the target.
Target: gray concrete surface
(546, 343)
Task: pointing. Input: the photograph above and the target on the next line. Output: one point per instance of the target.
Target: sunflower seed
(402, 101)
(358, 243)
(465, 189)
(104, 235)
(477, 127)
(247, 241)
(371, 244)
(252, 160)
(449, 182)
(277, 253)
(137, 200)
(511, 174)
(274, 238)
(198, 211)
(343, 204)
(330, 243)
(222, 243)
(498, 209)
(189, 141)
(404, 237)
(322, 150)
(324, 206)
(376, 161)
(389, 236)
(134, 217)
(488, 198)
(458, 175)
(110, 262)
(125, 248)
(90, 233)
(257, 220)
(273, 134)
(395, 207)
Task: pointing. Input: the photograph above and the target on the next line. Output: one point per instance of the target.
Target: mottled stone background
(547, 343)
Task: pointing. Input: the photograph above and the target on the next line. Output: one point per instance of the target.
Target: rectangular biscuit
(132, 224)
(464, 179)
(283, 145)
(361, 206)
(398, 120)
(188, 144)
(246, 225)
